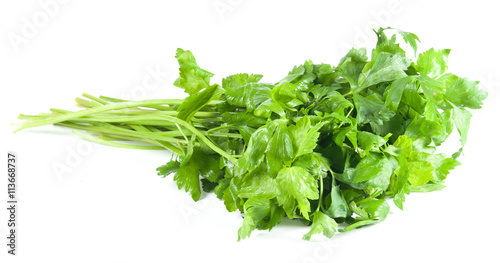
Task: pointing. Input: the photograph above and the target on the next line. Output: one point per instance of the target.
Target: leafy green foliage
(326, 145)
(383, 118)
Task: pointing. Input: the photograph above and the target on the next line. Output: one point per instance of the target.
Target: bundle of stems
(145, 124)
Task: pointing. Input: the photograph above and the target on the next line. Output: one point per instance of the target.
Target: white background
(110, 206)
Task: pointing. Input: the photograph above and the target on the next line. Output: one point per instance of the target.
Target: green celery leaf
(301, 76)
(277, 214)
(444, 119)
(349, 132)
(433, 63)
(221, 187)
(387, 67)
(230, 195)
(442, 165)
(188, 176)
(461, 118)
(238, 80)
(401, 187)
(388, 46)
(335, 204)
(207, 186)
(286, 95)
(274, 164)
(168, 168)
(405, 144)
(352, 64)
(314, 164)
(429, 187)
(258, 183)
(189, 170)
(381, 36)
(371, 109)
(259, 93)
(359, 224)
(374, 208)
(281, 144)
(256, 208)
(367, 141)
(306, 77)
(465, 93)
(424, 130)
(305, 136)
(254, 154)
(373, 169)
(246, 132)
(238, 96)
(433, 89)
(267, 107)
(325, 74)
(322, 224)
(192, 78)
(404, 89)
(284, 92)
(414, 99)
(371, 211)
(395, 126)
(238, 89)
(410, 38)
(420, 172)
(247, 228)
(196, 101)
(319, 91)
(333, 102)
(243, 119)
(208, 165)
(447, 79)
(296, 184)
